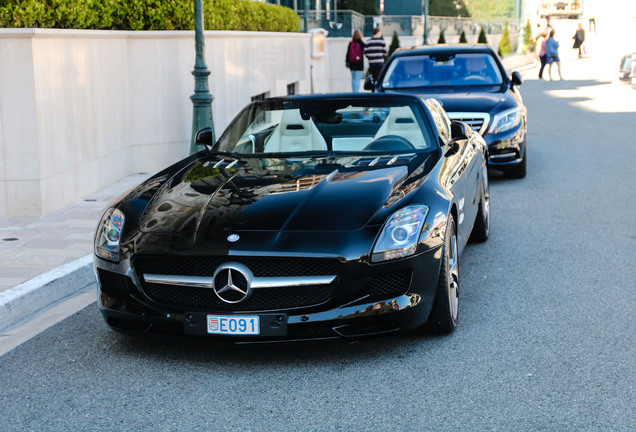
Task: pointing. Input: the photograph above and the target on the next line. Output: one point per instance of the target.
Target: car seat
(402, 122)
(293, 134)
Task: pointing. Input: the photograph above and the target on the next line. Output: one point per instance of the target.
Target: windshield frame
(492, 76)
(320, 111)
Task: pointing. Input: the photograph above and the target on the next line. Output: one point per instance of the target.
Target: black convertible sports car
(471, 83)
(312, 217)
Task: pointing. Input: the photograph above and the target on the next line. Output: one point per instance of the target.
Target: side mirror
(204, 137)
(516, 78)
(459, 130)
(368, 83)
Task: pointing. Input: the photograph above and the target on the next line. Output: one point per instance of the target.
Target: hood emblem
(233, 238)
(232, 282)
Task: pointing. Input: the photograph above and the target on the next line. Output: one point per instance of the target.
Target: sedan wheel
(443, 317)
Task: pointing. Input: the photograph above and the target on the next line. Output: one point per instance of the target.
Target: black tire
(443, 317)
(519, 171)
(481, 229)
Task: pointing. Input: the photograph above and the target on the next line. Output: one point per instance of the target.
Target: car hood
(474, 99)
(324, 194)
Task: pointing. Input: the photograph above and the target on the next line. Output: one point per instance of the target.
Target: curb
(24, 300)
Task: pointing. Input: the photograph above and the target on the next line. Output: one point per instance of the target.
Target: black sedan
(312, 217)
(471, 83)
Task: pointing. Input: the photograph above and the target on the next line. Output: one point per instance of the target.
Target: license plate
(233, 325)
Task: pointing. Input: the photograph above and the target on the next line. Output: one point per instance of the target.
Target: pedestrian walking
(552, 51)
(375, 52)
(541, 52)
(355, 60)
(579, 38)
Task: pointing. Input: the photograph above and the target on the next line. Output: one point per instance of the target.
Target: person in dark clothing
(354, 59)
(579, 38)
(375, 52)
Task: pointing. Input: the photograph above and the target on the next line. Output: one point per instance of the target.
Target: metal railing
(342, 23)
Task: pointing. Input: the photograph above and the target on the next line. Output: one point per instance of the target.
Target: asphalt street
(546, 340)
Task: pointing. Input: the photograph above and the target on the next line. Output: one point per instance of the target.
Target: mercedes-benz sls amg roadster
(311, 217)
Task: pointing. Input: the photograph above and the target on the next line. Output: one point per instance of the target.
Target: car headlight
(400, 234)
(108, 236)
(505, 120)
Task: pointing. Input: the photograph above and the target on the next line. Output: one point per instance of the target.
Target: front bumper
(359, 305)
(506, 150)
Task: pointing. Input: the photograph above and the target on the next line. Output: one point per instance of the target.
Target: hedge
(146, 15)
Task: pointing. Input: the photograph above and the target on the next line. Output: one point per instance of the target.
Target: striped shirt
(375, 51)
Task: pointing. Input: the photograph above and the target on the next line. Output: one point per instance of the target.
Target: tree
(492, 8)
(462, 37)
(395, 44)
(529, 39)
(482, 37)
(448, 8)
(504, 44)
(442, 39)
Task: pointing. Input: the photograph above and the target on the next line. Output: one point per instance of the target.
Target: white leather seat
(402, 122)
(293, 134)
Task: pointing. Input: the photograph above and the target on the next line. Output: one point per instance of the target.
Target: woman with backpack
(355, 60)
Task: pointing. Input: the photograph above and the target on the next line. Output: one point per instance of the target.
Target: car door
(457, 165)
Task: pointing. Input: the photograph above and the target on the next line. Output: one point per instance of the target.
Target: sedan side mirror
(204, 137)
(516, 78)
(369, 84)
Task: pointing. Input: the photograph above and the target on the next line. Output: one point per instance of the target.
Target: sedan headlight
(400, 234)
(108, 236)
(505, 120)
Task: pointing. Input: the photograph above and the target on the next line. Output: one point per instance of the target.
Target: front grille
(477, 121)
(390, 284)
(262, 267)
(260, 300)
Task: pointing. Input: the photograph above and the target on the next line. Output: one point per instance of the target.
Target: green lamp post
(426, 22)
(201, 99)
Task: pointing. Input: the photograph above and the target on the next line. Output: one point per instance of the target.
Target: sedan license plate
(233, 325)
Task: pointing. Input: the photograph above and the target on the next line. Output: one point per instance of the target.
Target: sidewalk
(45, 259)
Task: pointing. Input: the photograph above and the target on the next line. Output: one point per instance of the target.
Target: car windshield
(442, 70)
(314, 127)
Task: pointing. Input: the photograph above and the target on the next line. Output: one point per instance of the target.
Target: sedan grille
(477, 121)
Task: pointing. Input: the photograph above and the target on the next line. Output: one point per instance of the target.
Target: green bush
(146, 15)
(504, 44)
(442, 39)
(530, 43)
(462, 37)
(482, 37)
(395, 44)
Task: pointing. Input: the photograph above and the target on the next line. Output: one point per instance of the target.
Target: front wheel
(443, 317)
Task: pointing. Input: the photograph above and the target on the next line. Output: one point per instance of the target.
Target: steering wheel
(389, 143)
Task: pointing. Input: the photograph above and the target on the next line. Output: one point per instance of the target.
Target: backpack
(355, 52)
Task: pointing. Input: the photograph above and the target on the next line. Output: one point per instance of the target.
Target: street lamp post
(201, 99)
(426, 22)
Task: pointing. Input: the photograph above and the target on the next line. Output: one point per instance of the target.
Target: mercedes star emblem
(231, 282)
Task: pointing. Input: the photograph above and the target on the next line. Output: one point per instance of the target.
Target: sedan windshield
(442, 71)
(326, 127)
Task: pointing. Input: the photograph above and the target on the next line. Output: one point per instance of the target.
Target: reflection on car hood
(471, 99)
(328, 194)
